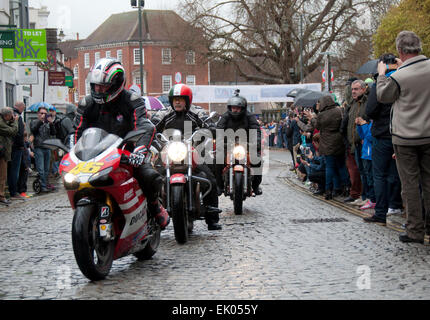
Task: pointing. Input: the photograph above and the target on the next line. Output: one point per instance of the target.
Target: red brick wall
(152, 66)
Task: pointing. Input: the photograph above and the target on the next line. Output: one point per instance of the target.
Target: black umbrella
(370, 67)
(296, 92)
(309, 99)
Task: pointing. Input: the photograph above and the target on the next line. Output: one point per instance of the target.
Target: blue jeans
(386, 179)
(42, 159)
(13, 171)
(335, 173)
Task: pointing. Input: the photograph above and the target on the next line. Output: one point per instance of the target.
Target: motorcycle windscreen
(93, 142)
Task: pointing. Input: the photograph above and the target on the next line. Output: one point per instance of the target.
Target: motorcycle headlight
(177, 151)
(239, 152)
(71, 182)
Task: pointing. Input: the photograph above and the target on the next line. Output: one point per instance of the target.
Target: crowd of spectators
(373, 149)
(22, 152)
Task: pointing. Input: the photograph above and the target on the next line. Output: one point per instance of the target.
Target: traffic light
(134, 3)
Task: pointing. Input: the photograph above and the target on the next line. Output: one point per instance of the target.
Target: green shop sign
(7, 39)
(30, 46)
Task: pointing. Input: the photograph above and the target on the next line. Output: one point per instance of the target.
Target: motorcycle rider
(238, 117)
(118, 111)
(180, 98)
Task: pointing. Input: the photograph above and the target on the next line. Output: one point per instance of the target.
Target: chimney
(77, 35)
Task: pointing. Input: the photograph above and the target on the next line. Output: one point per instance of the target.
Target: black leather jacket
(247, 122)
(120, 116)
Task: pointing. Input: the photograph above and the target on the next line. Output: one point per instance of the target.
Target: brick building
(169, 47)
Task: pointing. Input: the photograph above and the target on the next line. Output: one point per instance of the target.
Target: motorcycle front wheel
(179, 213)
(238, 193)
(93, 255)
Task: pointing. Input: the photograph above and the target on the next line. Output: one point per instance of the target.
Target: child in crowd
(364, 131)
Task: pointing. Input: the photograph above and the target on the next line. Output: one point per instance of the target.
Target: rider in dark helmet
(238, 117)
(180, 98)
(118, 111)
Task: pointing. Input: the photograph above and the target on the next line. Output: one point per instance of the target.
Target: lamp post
(301, 47)
(140, 43)
(139, 4)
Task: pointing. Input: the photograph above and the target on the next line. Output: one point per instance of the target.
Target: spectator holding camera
(316, 165)
(42, 129)
(328, 122)
(407, 89)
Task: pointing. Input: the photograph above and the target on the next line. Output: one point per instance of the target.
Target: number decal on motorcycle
(87, 167)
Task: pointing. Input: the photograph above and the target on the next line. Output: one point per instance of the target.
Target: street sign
(56, 78)
(69, 81)
(27, 75)
(7, 39)
(178, 77)
(324, 76)
(30, 46)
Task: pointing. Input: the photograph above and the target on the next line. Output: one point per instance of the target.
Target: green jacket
(8, 131)
(356, 109)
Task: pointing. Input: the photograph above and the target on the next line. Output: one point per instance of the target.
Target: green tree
(412, 15)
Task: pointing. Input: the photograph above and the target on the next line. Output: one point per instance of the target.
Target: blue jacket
(365, 134)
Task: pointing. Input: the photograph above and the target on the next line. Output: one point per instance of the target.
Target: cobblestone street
(286, 245)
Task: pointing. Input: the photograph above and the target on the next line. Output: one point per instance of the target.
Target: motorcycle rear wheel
(179, 214)
(93, 255)
(238, 193)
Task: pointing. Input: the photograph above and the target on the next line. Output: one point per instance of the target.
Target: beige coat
(408, 89)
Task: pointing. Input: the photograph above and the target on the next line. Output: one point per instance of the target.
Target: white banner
(27, 75)
(252, 93)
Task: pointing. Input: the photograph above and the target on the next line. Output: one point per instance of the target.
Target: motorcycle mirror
(212, 115)
(160, 137)
(54, 144)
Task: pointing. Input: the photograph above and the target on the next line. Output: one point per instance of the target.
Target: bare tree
(265, 39)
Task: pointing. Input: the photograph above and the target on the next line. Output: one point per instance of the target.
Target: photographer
(315, 164)
(42, 129)
(407, 89)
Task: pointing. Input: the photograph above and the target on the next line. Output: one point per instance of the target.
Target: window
(119, 55)
(166, 56)
(167, 83)
(137, 56)
(96, 57)
(108, 54)
(87, 88)
(191, 80)
(76, 72)
(76, 96)
(190, 57)
(86, 60)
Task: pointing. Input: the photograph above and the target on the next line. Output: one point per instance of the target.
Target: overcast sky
(84, 16)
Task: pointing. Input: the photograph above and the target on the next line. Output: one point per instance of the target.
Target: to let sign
(30, 46)
(56, 78)
(7, 39)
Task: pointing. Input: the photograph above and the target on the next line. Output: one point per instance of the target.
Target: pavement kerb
(394, 224)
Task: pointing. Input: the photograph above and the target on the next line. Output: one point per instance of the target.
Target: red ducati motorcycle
(110, 210)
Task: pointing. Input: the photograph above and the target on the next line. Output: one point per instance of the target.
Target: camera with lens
(390, 60)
